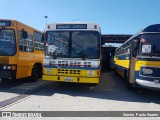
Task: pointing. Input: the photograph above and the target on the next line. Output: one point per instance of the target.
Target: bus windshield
(73, 44)
(7, 42)
(150, 45)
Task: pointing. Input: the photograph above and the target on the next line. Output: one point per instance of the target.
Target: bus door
(133, 61)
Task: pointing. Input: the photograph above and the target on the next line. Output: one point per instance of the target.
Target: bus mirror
(43, 38)
(24, 34)
(134, 44)
(134, 53)
(134, 47)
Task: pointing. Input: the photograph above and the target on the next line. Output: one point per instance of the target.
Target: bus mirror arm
(134, 47)
(134, 53)
(43, 38)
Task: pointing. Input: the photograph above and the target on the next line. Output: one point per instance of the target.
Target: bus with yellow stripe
(72, 53)
(138, 59)
(21, 51)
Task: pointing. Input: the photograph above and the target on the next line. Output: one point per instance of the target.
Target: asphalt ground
(111, 94)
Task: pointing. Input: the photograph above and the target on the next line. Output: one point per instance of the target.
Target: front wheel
(91, 84)
(115, 71)
(126, 79)
(35, 74)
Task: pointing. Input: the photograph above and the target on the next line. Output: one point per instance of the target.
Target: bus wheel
(115, 71)
(126, 79)
(91, 84)
(35, 74)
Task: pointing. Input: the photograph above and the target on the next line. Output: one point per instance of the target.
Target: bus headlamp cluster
(48, 70)
(9, 67)
(147, 71)
(90, 72)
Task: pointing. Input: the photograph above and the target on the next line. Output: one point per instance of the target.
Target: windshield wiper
(155, 53)
(1, 29)
(51, 55)
(81, 55)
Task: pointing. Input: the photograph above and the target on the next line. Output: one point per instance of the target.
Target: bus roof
(155, 28)
(9, 23)
(73, 26)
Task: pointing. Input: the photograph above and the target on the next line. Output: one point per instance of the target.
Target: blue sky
(114, 16)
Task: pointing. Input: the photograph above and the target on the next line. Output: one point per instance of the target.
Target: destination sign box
(5, 23)
(71, 26)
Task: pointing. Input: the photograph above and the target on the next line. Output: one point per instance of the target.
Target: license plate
(68, 79)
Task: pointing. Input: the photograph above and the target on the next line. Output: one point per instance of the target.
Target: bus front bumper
(148, 84)
(7, 74)
(71, 79)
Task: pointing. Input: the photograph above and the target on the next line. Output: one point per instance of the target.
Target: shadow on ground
(111, 87)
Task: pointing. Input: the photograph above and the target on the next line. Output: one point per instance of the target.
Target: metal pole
(46, 19)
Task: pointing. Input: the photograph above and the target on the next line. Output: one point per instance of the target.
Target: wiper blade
(51, 55)
(79, 54)
(1, 29)
(84, 56)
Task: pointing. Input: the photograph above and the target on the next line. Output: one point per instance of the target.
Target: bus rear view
(72, 53)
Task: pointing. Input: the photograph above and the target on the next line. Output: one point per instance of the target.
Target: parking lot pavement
(13, 91)
(110, 95)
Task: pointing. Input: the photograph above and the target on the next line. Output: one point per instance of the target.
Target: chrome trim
(147, 83)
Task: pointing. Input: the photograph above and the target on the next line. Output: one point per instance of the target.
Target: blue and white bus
(138, 59)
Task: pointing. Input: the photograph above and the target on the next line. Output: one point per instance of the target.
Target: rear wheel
(126, 79)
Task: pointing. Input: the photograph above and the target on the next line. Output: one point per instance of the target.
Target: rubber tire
(35, 74)
(91, 84)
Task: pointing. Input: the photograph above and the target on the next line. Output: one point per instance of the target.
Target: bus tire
(126, 79)
(115, 72)
(91, 84)
(35, 74)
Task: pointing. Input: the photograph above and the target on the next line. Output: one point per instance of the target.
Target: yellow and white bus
(138, 59)
(72, 53)
(21, 51)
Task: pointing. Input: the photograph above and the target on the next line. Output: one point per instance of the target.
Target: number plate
(68, 79)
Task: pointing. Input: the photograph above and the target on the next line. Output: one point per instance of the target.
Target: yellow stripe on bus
(140, 63)
(123, 63)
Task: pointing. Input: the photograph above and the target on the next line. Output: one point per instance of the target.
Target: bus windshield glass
(73, 44)
(150, 45)
(7, 42)
(85, 44)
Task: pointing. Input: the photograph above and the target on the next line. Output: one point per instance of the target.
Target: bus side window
(25, 45)
(20, 41)
(38, 43)
(29, 47)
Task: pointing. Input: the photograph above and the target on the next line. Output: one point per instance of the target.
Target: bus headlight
(48, 70)
(90, 72)
(147, 71)
(4, 67)
(9, 67)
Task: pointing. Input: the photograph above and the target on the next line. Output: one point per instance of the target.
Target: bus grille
(69, 72)
(71, 63)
